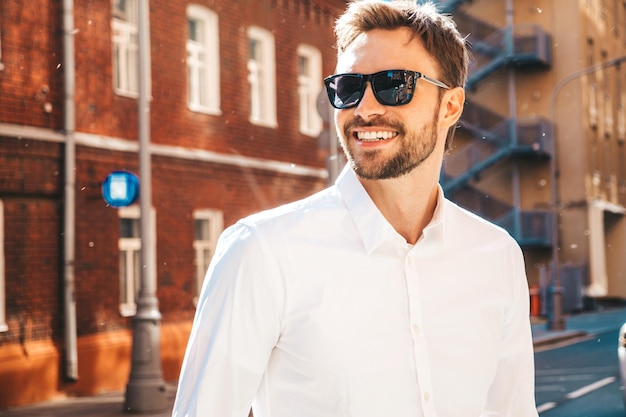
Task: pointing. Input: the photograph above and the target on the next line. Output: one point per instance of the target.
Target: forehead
(378, 50)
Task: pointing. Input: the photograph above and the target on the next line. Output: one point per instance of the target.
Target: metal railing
(529, 228)
(531, 137)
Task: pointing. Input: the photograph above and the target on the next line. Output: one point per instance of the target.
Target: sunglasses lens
(391, 88)
(394, 88)
(345, 91)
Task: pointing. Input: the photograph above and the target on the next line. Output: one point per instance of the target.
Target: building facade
(234, 127)
(540, 147)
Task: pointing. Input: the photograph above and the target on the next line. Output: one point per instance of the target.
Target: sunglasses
(390, 87)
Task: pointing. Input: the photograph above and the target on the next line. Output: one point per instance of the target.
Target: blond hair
(438, 32)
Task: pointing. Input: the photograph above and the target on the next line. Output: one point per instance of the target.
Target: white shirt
(320, 308)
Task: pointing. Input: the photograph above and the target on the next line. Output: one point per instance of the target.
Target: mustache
(378, 121)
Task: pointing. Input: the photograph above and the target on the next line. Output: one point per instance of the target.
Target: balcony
(495, 48)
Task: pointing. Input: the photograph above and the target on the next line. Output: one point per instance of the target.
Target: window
(125, 47)
(593, 108)
(616, 19)
(3, 324)
(261, 78)
(203, 78)
(129, 246)
(309, 87)
(208, 226)
(621, 123)
(1, 64)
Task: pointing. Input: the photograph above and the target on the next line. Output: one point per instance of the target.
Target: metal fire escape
(496, 138)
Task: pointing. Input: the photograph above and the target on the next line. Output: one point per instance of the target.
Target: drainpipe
(71, 357)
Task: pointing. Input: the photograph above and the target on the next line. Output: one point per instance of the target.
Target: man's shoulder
(290, 214)
(471, 225)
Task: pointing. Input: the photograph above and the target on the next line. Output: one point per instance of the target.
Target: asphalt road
(581, 379)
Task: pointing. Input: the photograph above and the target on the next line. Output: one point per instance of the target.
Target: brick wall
(31, 84)
(30, 180)
(32, 170)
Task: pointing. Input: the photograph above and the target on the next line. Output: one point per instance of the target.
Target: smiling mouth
(373, 136)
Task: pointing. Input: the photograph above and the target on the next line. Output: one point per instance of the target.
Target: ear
(451, 107)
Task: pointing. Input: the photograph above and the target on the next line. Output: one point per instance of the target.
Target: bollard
(535, 301)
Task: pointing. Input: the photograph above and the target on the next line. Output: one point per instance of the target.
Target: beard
(415, 147)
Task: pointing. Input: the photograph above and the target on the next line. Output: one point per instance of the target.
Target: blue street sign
(120, 188)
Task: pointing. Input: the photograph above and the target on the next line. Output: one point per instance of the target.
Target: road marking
(577, 371)
(545, 380)
(545, 407)
(577, 393)
(591, 387)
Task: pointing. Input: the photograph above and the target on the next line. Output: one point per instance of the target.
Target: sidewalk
(105, 405)
(580, 326)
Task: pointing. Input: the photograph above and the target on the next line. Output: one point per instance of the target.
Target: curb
(549, 341)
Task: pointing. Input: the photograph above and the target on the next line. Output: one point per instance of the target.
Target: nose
(369, 106)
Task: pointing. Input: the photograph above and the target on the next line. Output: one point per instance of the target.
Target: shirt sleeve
(236, 326)
(512, 391)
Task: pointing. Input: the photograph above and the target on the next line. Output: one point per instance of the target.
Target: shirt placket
(420, 346)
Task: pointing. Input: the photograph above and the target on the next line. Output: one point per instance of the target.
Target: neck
(408, 203)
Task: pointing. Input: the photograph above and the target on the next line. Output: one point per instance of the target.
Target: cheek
(341, 118)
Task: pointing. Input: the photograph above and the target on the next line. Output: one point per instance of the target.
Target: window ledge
(205, 110)
(264, 123)
(126, 93)
(128, 310)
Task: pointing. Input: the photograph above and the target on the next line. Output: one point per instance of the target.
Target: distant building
(234, 129)
(540, 148)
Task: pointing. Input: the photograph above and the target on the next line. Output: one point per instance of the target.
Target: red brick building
(233, 129)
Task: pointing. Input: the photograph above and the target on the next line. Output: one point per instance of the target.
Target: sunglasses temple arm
(435, 82)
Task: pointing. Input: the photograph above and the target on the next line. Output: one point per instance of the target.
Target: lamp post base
(145, 395)
(146, 391)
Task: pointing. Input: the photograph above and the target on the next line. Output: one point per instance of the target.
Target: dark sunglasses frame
(401, 94)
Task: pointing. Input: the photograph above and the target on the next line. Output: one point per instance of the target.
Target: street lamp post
(145, 390)
(556, 321)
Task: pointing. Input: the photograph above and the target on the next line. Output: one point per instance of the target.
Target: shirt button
(416, 329)
(426, 396)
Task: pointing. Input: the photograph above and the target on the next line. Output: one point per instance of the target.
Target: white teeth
(372, 136)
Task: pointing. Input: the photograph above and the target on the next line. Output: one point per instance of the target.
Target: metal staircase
(496, 138)
(497, 48)
(446, 6)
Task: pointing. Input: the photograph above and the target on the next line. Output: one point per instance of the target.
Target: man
(376, 297)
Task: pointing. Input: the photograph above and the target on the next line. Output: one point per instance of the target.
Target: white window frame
(621, 122)
(1, 64)
(262, 78)
(215, 219)
(309, 87)
(130, 251)
(124, 27)
(593, 107)
(3, 317)
(203, 62)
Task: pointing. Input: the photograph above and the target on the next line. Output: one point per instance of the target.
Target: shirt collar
(373, 228)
